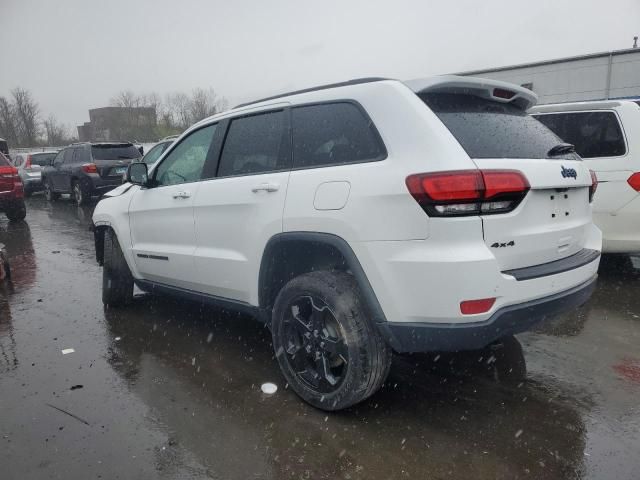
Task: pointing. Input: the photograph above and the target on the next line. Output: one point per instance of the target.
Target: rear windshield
(4, 161)
(114, 152)
(42, 159)
(4, 148)
(488, 129)
(595, 134)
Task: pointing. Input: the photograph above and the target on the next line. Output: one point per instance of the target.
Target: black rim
(314, 344)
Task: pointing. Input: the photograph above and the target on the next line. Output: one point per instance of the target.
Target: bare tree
(56, 132)
(204, 103)
(8, 128)
(26, 114)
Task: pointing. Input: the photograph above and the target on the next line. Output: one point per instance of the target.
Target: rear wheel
(16, 211)
(117, 281)
(49, 194)
(80, 195)
(328, 349)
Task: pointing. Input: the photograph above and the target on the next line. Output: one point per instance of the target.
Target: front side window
(594, 134)
(185, 162)
(153, 155)
(254, 144)
(333, 134)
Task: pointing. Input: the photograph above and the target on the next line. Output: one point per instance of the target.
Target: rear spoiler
(495, 90)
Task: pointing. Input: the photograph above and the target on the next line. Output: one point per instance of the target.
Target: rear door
(553, 220)
(61, 176)
(600, 141)
(238, 211)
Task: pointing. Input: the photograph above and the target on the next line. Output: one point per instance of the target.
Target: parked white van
(606, 134)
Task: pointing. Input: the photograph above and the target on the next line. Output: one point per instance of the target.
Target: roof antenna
(635, 42)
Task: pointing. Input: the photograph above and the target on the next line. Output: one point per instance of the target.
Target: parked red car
(11, 191)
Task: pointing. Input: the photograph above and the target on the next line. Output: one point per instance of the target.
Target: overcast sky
(77, 54)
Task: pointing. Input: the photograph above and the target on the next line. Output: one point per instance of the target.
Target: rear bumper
(421, 337)
(98, 185)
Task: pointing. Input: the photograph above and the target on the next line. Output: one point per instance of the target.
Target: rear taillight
(594, 185)
(89, 168)
(634, 181)
(468, 192)
(11, 173)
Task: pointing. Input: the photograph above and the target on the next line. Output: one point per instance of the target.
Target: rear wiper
(561, 149)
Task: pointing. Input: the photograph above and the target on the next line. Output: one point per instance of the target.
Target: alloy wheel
(314, 344)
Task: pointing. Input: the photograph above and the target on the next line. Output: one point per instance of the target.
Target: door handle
(266, 187)
(182, 194)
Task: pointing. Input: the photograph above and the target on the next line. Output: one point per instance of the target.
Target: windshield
(114, 152)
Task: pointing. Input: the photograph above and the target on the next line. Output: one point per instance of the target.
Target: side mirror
(137, 173)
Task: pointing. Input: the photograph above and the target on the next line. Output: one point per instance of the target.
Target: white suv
(362, 218)
(606, 134)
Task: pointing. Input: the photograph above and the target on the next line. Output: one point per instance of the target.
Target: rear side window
(68, 155)
(59, 157)
(254, 144)
(595, 134)
(489, 129)
(124, 151)
(333, 134)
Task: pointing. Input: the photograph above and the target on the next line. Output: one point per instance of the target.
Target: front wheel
(329, 351)
(16, 212)
(117, 281)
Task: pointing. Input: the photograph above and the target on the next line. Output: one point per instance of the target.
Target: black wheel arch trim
(325, 239)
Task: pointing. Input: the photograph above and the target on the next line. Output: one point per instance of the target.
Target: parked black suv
(87, 169)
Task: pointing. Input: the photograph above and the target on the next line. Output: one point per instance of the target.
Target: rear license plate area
(560, 204)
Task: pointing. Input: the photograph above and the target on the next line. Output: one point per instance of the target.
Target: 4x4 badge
(569, 173)
(504, 245)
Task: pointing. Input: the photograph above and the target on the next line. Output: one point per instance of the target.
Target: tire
(117, 281)
(331, 322)
(80, 195)
(509, 366)
(17, 211)
(49, 194)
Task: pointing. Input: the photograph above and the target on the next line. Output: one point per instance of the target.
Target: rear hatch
(111, 159)
(489, 121)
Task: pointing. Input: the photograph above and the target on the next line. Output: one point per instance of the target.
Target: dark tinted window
(114, 151)
(17, 161)
(59, 157)
(595, 134)
(68, 155)
(489, 129)
(331, 134)
(4, 161)
(4, 148)
(185, 162)
(78, 155)
(254, 144)
(42, 159)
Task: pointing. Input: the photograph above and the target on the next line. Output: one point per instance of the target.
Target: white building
(596, 76)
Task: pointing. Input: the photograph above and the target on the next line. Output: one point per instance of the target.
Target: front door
(161, 216)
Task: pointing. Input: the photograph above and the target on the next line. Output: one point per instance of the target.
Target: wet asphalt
(168, 389)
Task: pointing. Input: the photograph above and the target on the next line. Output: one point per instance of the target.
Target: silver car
(29, 167)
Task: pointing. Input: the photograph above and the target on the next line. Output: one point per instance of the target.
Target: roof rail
(355, 81)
